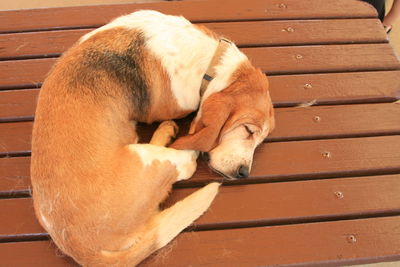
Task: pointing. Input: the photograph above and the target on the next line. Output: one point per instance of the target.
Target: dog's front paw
(188, 166)
(165, 133)
(170, 128)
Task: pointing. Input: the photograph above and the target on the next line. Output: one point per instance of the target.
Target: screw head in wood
(339, 194)
(282, 5)
(298, 56)
(317, 118)
(288, 29)
(307, 86)
(326, 154)
(351, 239)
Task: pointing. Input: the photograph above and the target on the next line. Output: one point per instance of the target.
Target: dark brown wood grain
(326, 157)
(29, 45)
(272, 60)
(292, 124)
(335, 87)
(336, 121)
(33, 254)
(249, 33)
(281, 161)
(22, 221)
(15, 136)
(283, 245)
(255, 205)
(203, 10)
(329, 58)
(24, 73)
(17, 104)
(14, 174)
(338, 243)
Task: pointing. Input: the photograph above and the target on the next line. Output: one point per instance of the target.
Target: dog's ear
(205, 130)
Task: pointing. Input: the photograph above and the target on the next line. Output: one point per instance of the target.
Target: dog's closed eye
(252, 130)
(249, 130)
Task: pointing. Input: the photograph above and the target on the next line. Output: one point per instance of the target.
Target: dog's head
(232, 123)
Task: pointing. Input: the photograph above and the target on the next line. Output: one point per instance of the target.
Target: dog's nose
(243, 172)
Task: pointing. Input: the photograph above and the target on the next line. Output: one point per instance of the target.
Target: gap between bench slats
(286, 161)
(282, 245)
(286, 90)
(256, 205)
(292, 124)
(272, 60)
(252, 33)
(197, 11)
(375, 239)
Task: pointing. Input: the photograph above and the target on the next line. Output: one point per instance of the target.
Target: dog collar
(210, 72)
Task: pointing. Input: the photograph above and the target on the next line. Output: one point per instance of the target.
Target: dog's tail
(164, 227)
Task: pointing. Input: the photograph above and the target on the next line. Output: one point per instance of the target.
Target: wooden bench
(325, 186)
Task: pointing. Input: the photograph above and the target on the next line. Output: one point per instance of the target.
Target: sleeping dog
(95, 189)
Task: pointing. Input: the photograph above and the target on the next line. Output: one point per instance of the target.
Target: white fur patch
(185, 53)
(172, 221)
(184, 160)
(230, 60)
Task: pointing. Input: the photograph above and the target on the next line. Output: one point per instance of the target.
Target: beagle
(95, 189)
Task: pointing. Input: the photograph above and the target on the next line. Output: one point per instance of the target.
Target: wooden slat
(280, 203)
(376, 239)
(14, 174)
(17, 104)
(261, 204)
(272, 60)
(18, 217)
(335, 87)
(327, 157)
(37, 43)
(205, 10)
(24, 73)
(336, 121)
(33, 254)
(250, 33)
(302, 32)
(329, 58)
(284, 245)
(15, 136)
(283, 161)
(286, 90)
(292, 124)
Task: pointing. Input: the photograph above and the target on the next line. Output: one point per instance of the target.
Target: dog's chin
(226, 176)
(206, 158)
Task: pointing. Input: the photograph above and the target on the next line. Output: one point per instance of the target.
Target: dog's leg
(164, 226)
(184, 160)
(164, 134)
